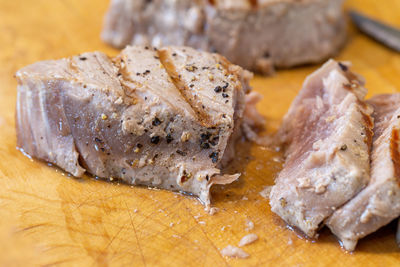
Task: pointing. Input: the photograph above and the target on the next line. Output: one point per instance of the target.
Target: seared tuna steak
(256, 34)
(162, 118)
(379, 203)
(327, 133)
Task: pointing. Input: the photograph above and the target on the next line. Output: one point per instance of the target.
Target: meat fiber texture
(255, 34)
(379, 203)
(327, 133)
(164, 118)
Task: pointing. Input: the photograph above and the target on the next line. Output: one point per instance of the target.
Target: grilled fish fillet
(327, 133)
(166, 118)
(255, 34)
(379, 203)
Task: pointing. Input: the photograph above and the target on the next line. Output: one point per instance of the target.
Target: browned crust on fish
(395, 153)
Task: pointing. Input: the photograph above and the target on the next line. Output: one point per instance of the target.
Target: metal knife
(383, 33)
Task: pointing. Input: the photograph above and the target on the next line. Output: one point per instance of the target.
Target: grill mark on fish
(368, 129)
(353, 77)
(253, 3)
(124, 78)
(395, 153)
(182, 88)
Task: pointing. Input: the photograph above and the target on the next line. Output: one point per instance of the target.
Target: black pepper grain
(218, 89)
(205, 136)
(155, 140)
(214, 157)
(83, 58)
(156, 121)
(343, 67)
(182, 153)
(169, 138)
(225, 95)
(204, 145)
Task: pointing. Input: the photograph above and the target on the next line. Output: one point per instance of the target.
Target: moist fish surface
(379, 203)
(327, 135)
(166, 118)
(255, 34)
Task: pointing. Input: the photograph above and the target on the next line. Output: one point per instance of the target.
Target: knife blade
(383, 33)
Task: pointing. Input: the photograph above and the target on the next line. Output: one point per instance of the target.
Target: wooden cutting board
(49, 218)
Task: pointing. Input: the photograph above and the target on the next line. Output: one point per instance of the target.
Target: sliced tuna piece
(256, 34)
(327, 133)
(379, 203)
(165, 118)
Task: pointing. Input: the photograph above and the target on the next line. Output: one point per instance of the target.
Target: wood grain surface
(49, 218)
